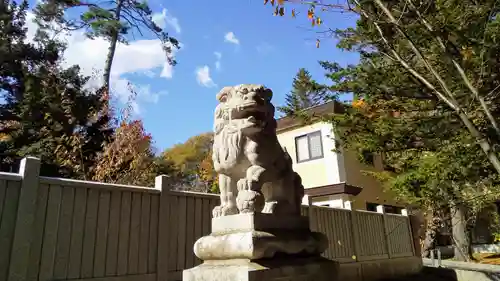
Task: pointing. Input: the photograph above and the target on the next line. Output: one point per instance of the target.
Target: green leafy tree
(442, 47)
(47, 112)
(305, 93)
(111, 20)
(427, 99)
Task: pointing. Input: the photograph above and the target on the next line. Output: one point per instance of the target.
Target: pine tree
(112, 20)
(305, 93)
(435, 156)
(47, 112)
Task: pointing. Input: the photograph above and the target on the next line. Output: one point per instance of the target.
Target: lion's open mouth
(252, 119)
(252, 116)
(249, 106)
(251, 112)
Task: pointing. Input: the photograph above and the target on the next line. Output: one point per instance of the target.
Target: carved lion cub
(255, 173)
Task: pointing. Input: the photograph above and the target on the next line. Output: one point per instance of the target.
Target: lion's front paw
(229, 210)
(248, 184)
(217, 212)
(269, 207)
(221, 211)
(249, 201)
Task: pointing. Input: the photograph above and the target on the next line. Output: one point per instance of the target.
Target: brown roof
(315, 112)
(338, 188)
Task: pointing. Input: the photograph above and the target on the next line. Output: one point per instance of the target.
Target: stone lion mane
(228, 146)
(227, 138)
(247, 154)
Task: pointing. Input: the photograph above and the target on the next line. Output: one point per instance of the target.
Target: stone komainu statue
(255, 173)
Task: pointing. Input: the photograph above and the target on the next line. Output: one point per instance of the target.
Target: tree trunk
(430, 236)
(112, 48)
(447, 97)
(461, 239)
(459, 68)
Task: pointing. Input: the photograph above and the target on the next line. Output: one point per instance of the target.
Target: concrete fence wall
(61, 229)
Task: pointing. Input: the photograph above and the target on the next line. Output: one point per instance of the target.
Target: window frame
(371, 207)
(308, 137)
(369, 158)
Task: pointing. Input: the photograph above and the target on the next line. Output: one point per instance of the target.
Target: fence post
(25, 220)
(381, 210)
(309, 204)
(162, 183)
(415, 225)
(355, 235)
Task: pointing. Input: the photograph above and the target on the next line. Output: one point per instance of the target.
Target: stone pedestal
(278, 269)
(261, 247)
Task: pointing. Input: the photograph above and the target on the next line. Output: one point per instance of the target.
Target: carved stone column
(257, 230)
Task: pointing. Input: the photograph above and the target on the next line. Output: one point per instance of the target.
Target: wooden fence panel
(36, 247)
(153, 233)
(370, 229)
(399, 235)
(190, 218)
(337, 226)
(173, 222)
(94, 232)
(123, 238)
(64, 234)
(304, 210)
(360, 235)
(111, 264)
(9, 199)
(49, 241)
(341, 241)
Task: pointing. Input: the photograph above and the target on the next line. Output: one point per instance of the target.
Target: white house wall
(319, 172)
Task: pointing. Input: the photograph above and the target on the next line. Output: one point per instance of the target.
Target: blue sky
(270, 50)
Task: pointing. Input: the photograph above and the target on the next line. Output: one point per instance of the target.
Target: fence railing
(61, 229)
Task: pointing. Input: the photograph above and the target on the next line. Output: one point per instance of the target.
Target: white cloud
(167, 71)
(139, 57)
(231, 38)
(218, 56)
(143, 93)
(148, 73)
(203, 76)
(165, 18)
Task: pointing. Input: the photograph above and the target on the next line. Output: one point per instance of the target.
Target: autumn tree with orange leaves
(130, 157)
(193, 161)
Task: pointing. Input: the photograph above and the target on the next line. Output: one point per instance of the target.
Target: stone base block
(255, 236)
(284, 269)
(254, 245)
(258, 222)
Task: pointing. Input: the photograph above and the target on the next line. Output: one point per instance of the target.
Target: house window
(372, 207)
(368, 157)
(388, 209)
(309, 147)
